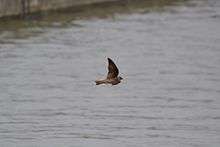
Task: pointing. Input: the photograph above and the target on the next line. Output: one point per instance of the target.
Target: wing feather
(112, 69)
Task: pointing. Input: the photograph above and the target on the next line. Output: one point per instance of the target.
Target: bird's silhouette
(112, 76)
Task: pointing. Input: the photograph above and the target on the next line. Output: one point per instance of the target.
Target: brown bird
(112, 77)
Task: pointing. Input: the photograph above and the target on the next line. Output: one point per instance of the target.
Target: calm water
(170, 97)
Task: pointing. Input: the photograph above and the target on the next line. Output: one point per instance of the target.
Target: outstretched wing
(112, 69)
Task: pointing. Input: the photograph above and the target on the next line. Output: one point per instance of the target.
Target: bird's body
(114, 81)
(112, 77)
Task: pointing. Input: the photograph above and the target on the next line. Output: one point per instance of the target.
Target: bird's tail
(98, 82)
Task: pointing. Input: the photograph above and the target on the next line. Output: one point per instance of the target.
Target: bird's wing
(112, 69)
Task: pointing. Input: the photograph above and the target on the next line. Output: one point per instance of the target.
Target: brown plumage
(112, 77)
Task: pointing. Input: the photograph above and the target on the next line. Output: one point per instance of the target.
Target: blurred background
(167, 51)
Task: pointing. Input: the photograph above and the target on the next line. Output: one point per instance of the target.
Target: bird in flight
(112, 77)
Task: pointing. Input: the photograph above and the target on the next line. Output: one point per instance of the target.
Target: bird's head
(120, 78)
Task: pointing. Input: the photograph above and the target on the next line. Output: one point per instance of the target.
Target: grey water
(169, 57)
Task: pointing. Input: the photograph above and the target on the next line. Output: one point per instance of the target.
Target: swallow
(112, 76)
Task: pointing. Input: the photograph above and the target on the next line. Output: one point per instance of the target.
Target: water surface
(168, 55)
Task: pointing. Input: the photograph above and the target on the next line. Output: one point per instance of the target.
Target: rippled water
(170, 96)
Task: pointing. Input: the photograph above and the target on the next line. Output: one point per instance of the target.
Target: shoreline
(24, 8)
